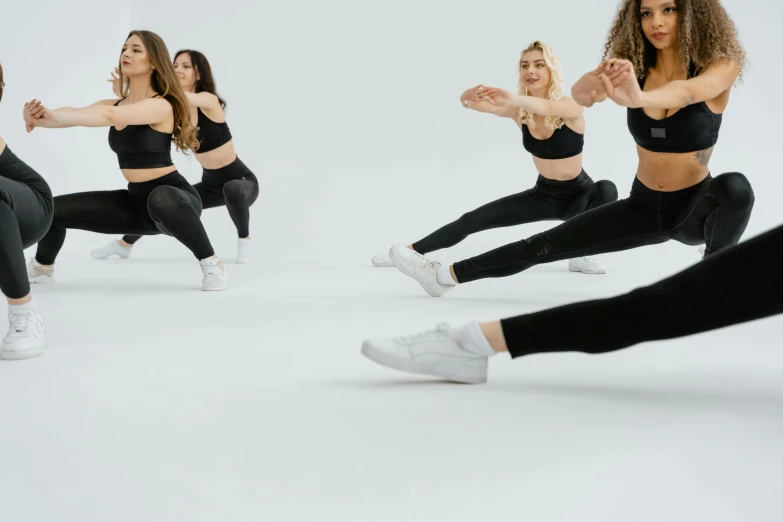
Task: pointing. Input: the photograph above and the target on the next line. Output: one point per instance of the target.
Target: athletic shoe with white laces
(415, 265)
(26, 336)
(113, 248)
(586, 265)
(434, 352)
(214, 274)
(244, 255)
(382, 261)
(36, 273)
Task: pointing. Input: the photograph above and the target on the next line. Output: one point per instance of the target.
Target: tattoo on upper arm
(703, 156)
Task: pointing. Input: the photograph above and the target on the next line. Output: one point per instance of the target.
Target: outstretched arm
(203, 100)
(676, 94)
(102, 114)
(566, 108)
(474, 98)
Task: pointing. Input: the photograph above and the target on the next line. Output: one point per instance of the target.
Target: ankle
(21, 301)
(124, 244)
(493, 333)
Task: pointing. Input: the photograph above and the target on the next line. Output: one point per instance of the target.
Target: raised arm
(474, 98)
(710, 84)
(203, 100)
(151, 111)
(566, 108)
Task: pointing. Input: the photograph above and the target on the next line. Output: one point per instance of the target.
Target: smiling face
(186, 73)
(134, 60)
(659, 22)
(534, 73)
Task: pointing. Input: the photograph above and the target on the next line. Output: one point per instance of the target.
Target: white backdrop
(348, 111)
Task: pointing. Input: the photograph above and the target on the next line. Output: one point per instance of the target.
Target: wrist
(642, 102)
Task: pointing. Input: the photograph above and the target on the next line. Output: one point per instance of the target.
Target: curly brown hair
(164, 82)
(706, 35)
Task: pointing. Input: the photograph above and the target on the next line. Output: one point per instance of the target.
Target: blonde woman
(553, 129)
(673, 65)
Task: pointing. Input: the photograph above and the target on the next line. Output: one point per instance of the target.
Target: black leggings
(714, 211)
(166, 205)
(739, 284)
(548, 200)
(233, 186)
(25, 216)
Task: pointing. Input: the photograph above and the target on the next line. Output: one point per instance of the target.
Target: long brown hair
(706, 35)
(2, 84)
(164, 82)
(205, 81)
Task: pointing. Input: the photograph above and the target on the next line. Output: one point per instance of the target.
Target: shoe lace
(212, 268)
(424, 262)
(19, 321)
(440, 331)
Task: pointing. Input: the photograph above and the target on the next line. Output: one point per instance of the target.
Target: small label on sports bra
(658, 132)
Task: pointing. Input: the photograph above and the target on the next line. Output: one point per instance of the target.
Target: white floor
(156, 401)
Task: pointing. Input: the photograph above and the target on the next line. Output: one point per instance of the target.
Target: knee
(232, 190)
(733, 189)
(163, 200)
(605, 191)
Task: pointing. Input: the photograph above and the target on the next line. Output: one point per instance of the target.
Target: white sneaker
(214, 274)
(415, 265)
(36, 273)
(26, 337)
(114, 248)
(586, 265)
(382, 261)
(434, 352)
(244, 255)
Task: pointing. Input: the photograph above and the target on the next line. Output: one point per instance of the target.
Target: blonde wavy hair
(706, 35)
(555, 85)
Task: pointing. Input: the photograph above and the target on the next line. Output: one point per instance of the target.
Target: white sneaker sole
(600, 271)
(11, 355)
(401, 267)
(41, 279)
(381, 264)
(461, 375)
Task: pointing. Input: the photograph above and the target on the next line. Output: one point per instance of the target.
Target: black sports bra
(140, 146)
(564, 143)
(211, 134)
(690, 129)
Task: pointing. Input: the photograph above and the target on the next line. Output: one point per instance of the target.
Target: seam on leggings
(688, 216)
(565, 253)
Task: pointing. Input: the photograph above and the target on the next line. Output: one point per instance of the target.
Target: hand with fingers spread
(474, 95)
(620, 83)
(116, 83)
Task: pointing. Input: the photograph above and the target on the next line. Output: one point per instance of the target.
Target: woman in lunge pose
(25, 216)
(553, 133)
(158, 199)
(741, 283)
(673, 66)
(225, 181)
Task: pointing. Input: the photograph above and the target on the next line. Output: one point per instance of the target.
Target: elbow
(111, 115)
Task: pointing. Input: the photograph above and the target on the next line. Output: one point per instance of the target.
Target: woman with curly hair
(152, 113)
(553, 129)
(687, 58)
(687, 61)
(25, 216)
